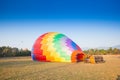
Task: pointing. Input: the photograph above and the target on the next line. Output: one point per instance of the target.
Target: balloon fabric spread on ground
(56, 47)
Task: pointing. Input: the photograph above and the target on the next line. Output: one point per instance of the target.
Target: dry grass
(23, 68)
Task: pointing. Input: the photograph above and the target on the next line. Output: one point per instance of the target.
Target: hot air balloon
(56, 47)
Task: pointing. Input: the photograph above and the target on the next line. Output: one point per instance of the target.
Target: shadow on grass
(118, 77)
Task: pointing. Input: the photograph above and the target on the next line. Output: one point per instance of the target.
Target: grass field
(23, 68)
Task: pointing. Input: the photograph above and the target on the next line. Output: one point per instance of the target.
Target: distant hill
(116, 46)
(85, 48)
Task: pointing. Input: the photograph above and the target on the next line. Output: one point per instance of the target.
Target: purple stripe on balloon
(68, 41)
(62, 41)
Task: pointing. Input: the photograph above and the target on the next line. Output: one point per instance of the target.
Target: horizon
(89, 24)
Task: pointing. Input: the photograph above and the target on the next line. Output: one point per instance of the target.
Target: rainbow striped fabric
(55, 47)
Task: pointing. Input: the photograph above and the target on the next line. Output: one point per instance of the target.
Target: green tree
(102, 52)
(110, 51)
(6, 52)
(116, 51)
(15, 51)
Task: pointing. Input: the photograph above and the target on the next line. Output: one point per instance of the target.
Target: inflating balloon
(56, 47)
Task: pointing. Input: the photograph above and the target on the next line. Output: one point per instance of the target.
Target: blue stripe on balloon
(32, 54)
(73, 45)
(33, 57)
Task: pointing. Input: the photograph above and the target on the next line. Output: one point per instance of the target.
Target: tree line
(6, 51)
(110, 51)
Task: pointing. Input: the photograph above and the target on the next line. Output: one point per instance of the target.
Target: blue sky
(90, 23)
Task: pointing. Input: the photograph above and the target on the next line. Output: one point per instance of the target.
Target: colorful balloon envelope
(56, 47)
